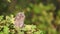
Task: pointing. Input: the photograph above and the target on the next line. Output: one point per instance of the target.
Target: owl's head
(20, 16)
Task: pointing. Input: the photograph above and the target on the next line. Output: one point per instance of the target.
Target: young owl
(19, 19)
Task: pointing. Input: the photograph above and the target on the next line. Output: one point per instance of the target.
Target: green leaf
(1, 32)
(38, 32)
(1, 17)
(6, 30)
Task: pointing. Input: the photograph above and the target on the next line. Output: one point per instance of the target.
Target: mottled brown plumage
(19, 19)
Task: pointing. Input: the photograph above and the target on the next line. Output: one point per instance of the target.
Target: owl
(19, 19)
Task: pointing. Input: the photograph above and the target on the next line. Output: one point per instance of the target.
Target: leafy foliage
(41, 15)
(8, 25)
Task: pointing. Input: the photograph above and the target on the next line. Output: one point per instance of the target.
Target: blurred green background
(44, 14)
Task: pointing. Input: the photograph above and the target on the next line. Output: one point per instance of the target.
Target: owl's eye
(22, 16)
